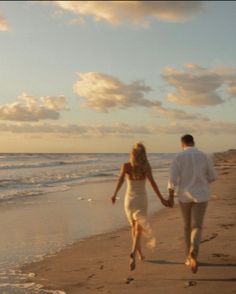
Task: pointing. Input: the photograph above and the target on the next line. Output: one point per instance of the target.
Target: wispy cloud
(199, 86)
(30, 108)
(4, 26)
(229, 76)
(178, 114)
(120, 129)
(138, 13)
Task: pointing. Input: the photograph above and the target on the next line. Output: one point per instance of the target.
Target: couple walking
(190, 174)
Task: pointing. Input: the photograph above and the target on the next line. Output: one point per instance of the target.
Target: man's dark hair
(188, 140)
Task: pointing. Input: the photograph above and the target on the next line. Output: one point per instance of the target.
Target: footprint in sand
(224, 173)
(100, 288)
(210, 238)
(129, 280)
(114, 237)
(80, 198)
(190, 284)
(226, 226)
(91, 276)
(220, 255)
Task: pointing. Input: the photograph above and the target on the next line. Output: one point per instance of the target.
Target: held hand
(165, 202)
(113, 199)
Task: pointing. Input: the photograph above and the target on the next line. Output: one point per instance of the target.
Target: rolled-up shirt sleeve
(174, 175)
(211, 172)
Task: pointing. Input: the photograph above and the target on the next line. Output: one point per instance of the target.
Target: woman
(136, 171)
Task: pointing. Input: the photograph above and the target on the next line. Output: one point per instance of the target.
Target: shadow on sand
(209, 280)
(202, 264)
(160, 261)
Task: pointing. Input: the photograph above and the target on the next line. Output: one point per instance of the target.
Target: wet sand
(100, 263)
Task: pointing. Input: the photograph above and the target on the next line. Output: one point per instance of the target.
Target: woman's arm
(119, 183)
(155, 186)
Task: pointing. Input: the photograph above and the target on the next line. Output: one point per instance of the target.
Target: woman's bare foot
(193, 263)
(141, 256)
(187, 261)
(132, 264)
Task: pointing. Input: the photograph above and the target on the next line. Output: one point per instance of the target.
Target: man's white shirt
(190, 174)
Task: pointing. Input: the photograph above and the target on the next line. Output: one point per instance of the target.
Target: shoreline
(100, 263)
(57, 220)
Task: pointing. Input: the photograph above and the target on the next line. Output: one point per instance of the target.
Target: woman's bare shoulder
(126, 168)
(126, 165)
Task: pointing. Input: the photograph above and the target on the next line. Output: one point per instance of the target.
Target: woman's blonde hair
(138, 160)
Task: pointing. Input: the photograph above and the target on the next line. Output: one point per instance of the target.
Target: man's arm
(155, 186)
(173, 180)
(119, 182)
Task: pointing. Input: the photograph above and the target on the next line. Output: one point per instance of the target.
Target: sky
(98, 76)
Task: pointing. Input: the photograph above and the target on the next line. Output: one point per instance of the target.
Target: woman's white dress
(136, 207)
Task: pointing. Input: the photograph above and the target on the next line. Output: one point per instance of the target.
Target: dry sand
(100, 264)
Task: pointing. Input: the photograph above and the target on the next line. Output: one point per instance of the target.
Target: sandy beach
(99, 264)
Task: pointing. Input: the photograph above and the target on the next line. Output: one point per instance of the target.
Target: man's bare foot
(132, 263)
(193, 263)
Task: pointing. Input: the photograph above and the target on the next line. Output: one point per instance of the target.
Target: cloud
(103, 92)
(199, 128)
(195, 86)
(54, 103)
(199, 86)
(99, 130)
(217, 128)
(232, 86)
(30, 108)
(135, 12)
(4, 26)
(178, 114)
(118, 130)
(229, 75)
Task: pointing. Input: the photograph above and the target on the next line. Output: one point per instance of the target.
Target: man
(190, 174)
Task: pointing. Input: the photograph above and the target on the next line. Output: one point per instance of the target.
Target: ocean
(30, 174)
